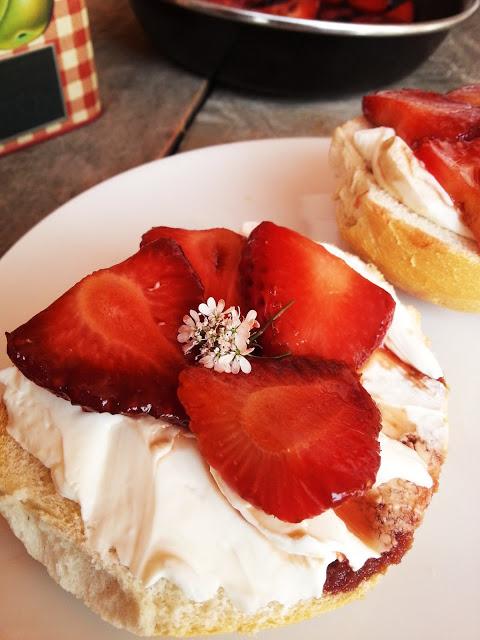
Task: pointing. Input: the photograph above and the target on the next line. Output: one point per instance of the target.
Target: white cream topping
(399, 461)
(322, 536)
(327, 531)
(397, 170)
(145, 492)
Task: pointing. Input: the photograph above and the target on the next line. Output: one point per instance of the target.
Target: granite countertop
(153, 109)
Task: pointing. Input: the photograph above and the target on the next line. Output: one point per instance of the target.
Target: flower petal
(220, 337)
(203, 308)
(221, 366)
(241, 342)
(235, 366)
(245, 365)
(235, 317)
(207, 361)
(186, 328)
(228, 357)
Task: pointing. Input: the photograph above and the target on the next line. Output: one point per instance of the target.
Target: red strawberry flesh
(337, 314)
(306, 9)
(109, 343)
(369, 6)
(402, 14)
(294, 437)
(293, 8)
(456, 165)
(213, 253)
(416, 114)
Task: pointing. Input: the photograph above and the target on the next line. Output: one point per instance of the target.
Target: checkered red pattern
(69, 33)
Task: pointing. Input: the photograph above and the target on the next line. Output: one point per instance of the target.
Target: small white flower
(185, 333)
(212, 308)
(241, 343)
(196, 317)
(224, 362)
(251, 319)
(234, 321)
(245, 365)
(242, 334)
(189, 321)
(220, 336)
(208, 361)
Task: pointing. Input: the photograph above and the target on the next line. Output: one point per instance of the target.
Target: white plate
(433, 594)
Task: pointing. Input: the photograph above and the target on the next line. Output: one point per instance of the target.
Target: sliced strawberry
(416, 114)
(456, 165)
(292, 8)
(294, 437)
(337, 314)
(369, 18)
(404, 13)
(336, 14)
(306, 9)
(369, 6)
(109, 343)
(469, 94)
(213, 253)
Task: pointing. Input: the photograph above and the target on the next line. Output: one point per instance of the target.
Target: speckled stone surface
(151, 108)
(146, 102)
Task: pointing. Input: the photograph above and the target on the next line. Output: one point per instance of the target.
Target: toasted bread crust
(51, 529)
(436, 267)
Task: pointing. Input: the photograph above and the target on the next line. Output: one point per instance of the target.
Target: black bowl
(289, 56)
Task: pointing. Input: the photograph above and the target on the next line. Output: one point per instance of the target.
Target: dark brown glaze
(414, 375)
(341, 578)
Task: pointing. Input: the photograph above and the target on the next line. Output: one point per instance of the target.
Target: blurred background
(154, 107)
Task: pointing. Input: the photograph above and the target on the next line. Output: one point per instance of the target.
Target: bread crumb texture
(412, 253)
(51, 529)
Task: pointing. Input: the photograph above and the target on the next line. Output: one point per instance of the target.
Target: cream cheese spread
(145, 492)
(397, 170)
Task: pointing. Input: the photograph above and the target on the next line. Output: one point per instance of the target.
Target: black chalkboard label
(30, 92)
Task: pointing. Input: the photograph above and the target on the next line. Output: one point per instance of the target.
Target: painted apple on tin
(23, 21)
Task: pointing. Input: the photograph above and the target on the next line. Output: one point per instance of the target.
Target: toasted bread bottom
(51, 529)
(411, 252)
